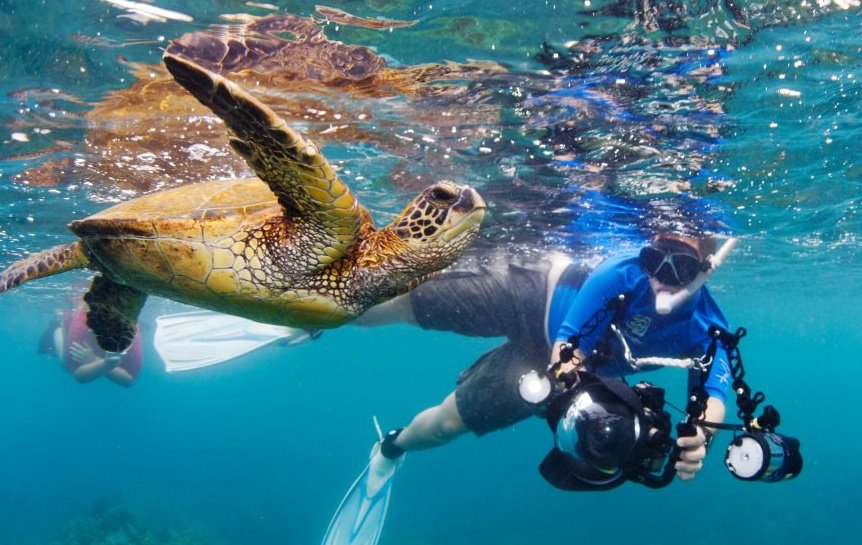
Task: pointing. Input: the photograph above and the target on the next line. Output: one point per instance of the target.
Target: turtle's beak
(469, 200)
(471, 207)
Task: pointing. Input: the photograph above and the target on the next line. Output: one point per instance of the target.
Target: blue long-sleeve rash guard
(682, 333)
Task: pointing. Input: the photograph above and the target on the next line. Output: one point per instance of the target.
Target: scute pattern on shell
(214, 240)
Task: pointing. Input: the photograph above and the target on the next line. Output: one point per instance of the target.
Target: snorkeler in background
(70, 340)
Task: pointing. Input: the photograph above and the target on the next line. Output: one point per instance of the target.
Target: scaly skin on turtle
(292, 247)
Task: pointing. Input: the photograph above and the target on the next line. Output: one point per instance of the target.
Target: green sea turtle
(290, 247)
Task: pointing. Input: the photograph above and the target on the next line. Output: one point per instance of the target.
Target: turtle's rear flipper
(113, 313)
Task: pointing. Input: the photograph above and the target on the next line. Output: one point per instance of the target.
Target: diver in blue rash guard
(538, 304)
(670, 264)
(682, 333)
(538, 301)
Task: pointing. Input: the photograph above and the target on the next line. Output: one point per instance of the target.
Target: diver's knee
(450, 429)
(450, 423)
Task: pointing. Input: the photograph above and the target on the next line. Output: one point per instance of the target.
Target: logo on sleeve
(724, 377)
(638, 325)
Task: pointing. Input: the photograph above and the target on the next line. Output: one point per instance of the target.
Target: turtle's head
(439, 224)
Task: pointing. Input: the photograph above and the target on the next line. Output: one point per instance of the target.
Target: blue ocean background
(260, 450)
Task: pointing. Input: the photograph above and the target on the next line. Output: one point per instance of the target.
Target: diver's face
(671, 263)
(657, 287)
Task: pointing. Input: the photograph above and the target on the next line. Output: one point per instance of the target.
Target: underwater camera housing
(607, 433)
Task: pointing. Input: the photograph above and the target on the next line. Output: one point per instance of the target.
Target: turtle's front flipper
(113, 313)
(52, 261)
(293, 167)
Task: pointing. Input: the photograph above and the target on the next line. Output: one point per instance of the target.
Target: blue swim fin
(359, 518)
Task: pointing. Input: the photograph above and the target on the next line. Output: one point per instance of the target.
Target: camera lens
(599, 430)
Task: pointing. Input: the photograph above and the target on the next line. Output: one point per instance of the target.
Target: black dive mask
(671, 262)
(604, 435)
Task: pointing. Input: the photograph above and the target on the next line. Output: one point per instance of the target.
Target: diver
(69, 339)
(538, 301)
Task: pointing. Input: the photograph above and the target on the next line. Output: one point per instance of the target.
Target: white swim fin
(360, 515)
(192, 340)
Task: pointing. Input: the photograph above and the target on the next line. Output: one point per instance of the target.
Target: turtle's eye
(443, 194)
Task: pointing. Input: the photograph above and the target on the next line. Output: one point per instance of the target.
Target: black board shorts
(491, 294)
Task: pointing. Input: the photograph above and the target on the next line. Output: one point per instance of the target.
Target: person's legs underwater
(495, 294)
(433, 427)
(500, 293)
(486, 399)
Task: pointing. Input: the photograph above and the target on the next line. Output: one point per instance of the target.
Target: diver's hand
(112, 360)
(81, 353)
(692, 455)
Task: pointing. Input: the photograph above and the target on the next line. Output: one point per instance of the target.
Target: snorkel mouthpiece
(666, 301)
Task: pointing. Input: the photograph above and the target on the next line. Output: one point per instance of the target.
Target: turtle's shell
(227, 243)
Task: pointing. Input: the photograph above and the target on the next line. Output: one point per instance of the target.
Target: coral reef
(108, 524)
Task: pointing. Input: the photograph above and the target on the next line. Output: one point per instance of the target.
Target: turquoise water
(261, 450)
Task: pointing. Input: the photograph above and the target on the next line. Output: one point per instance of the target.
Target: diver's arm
(120, 376)
(691, 458)
(90, 366)
(89, 371)
(715, 412)
(396, 310)
(715, 384)
(607, 281)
